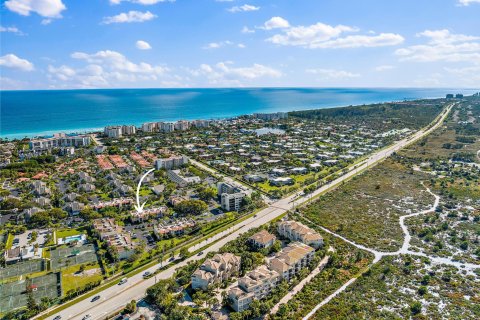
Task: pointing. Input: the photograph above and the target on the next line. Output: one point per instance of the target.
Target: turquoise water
(31, 113)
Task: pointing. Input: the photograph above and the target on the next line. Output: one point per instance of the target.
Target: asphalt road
(116, 297)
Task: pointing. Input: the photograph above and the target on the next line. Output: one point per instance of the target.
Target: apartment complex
(59, 140)
(171, 163)
(262, 239)
(256, 284)
(119, 131)
(297, 231)
(292, 259)
(215, 270)
(271, 116)
(231, 197)
(114, 236)
(177, 177)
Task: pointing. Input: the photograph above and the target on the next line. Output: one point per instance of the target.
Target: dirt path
(404, 250)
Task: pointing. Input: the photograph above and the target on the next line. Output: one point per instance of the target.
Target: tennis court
(22, 268)
(13, 295)
(70, 256)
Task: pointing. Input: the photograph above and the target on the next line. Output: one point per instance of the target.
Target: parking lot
(142, 232)
(24, 239)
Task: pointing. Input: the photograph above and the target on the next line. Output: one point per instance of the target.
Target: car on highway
(86, 317)
(57, 318)
(124, 280)
(200, 253)
(147, 274)
(95, 298)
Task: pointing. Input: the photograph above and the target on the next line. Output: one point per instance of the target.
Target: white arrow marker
(139, 207)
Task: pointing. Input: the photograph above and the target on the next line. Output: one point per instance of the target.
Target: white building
(177, 177)
(173, 162)
(150, 127)
(60, 140)
(232, 201)
(182, 125)
(166, 126)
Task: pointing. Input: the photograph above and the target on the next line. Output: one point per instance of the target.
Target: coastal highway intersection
(114, 298)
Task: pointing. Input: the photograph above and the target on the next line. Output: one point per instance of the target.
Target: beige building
(262, 239)
(216, 270)
(297, 231)
(256, 284)
(292, 259)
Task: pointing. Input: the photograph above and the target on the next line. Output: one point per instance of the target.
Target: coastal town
(84, 211)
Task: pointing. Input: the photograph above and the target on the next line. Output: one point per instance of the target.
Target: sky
(69, 44)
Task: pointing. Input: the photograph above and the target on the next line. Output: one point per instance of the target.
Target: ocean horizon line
(35, 113)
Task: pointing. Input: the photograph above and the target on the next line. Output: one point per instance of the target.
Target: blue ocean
(37, 113)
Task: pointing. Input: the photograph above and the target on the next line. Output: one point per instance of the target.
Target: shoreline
(91, 130)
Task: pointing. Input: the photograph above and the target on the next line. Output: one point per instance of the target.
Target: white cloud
(384, 68)
(442, 45)
(12, 84)
(131, 16)
(467, 2)
(243, 8)
(275, 23)
(321, 35)
(245, 29)
(143, 45)
(331, 74)
(11, 29)
(12, 61)
(104, 69)
(223, 73)
(46, 21)
(220, 44)
(144, 2)
(469, 76)
(44, 8)
(63, 72)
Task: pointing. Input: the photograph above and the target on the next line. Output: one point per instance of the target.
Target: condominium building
(113, 131)
(231, 197)
(292, 259)
(182, 125)
(216, 270)
(177, 177)
(173, 162)
(297, 231)
(256, 284)
(150, 127)
(59, 140)
(262, 239)
(166, 126)
(233, 201)
(271, 116)
(119, 131)
(201, 123)
(118, 240)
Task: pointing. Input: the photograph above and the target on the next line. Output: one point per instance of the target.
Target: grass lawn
(69, 232)
(145, 192)
(71, 281)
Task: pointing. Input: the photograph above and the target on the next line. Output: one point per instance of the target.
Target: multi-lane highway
(116, 297)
